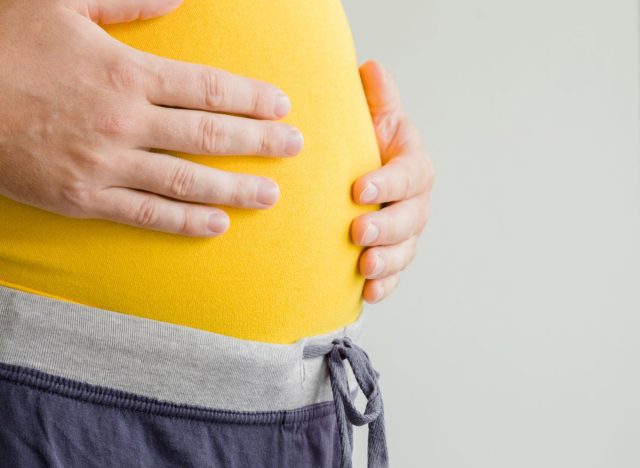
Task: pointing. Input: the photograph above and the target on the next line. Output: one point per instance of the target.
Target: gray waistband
(162, 360)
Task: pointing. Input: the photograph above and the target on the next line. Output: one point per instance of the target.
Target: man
(81, 115)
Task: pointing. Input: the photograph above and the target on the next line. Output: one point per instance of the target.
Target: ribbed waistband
(162, 360)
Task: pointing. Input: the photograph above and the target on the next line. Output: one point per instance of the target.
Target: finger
(185, 180)
(174, 83)
(401, 178)
(383, 261)
(377, 289)
(206, 133)
(380, 88)
(149, 211)
(122, 11)
(394, 133)
(392, 224)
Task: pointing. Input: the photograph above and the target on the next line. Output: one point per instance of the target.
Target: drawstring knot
(346, 413)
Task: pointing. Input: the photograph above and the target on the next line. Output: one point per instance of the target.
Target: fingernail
(369, 194)
(378, 265)
(283, 104)
(370, 234)
(268, 193)
(218, 223)
(294, 143)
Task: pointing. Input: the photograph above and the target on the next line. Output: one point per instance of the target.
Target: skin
(403, 185)
(80, 111)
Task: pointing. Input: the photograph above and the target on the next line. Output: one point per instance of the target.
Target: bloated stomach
(277, 274)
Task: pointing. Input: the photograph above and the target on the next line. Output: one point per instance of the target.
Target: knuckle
(216, 89)
(411, 250)
(415, 223)
(186, 224)
(114, 123)
(212, 135)
(124, 76)
(255, 100)
(181, 181)
(146, 214)
(386, 224)
(88, 203)
(241, 194)
(74, 194)
(388, 128)
(86, 163)
(393, 284)
(264, 139)
(77, 200)
(235, 195)
(425, 169)
(408, 187)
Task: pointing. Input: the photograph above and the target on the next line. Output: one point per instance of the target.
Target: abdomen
(276, 275)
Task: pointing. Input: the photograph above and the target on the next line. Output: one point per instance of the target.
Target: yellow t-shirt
(277, 274)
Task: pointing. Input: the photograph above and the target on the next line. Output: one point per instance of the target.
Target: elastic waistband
(161, 360)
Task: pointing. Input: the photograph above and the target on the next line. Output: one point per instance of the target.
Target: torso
(276, 275)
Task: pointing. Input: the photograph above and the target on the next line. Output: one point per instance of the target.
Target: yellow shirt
(277, 274)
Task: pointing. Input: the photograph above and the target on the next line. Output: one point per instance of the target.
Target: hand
(79, 112)
(402, 185)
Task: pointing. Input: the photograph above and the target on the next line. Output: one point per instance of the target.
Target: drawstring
(346, 412)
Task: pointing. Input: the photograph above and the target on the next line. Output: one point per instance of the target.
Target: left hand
(403, 185)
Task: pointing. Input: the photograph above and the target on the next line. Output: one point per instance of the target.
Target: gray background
(514, 338)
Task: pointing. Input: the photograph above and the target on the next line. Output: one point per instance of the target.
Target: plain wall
(513, 340)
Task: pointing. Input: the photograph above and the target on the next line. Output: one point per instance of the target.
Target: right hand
(79, 112)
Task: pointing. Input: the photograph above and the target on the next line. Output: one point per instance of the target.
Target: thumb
(122, 11)
(393, 131)
(380, 89)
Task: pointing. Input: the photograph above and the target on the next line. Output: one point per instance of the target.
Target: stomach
(276, 275)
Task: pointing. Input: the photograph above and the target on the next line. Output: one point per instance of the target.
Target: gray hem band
(161, 360)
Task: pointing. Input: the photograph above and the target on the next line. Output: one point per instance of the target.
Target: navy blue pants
(86, 387)
(49, 421)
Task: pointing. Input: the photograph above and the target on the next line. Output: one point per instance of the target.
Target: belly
(276, 275)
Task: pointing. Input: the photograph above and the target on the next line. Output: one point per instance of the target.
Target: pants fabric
(86, 387)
